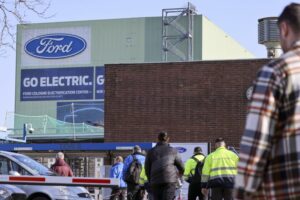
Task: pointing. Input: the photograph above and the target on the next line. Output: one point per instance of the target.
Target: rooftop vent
(268, 35)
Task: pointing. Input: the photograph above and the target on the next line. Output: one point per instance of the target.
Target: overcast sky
(238, 18)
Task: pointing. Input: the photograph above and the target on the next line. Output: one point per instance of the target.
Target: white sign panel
(56, 46)
(186, 150)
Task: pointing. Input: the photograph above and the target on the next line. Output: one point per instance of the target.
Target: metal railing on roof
(46, 127)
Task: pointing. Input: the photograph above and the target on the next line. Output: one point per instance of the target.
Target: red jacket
(62, 168)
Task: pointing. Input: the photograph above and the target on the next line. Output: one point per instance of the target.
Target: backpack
(133, 172)
(196, 177)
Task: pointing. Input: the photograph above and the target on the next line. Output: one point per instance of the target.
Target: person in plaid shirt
(269, 165)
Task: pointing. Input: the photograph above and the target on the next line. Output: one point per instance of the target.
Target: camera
(30, 130)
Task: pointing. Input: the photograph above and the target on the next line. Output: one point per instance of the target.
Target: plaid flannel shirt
(269, 165)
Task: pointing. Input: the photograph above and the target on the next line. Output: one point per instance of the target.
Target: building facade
(60, 69)
(192, 101)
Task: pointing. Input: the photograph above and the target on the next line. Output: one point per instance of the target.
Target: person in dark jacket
(60, 166)
(163, 164)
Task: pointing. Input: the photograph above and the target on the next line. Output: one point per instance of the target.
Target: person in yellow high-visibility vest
(143, 182)
(193, 179)
(219, 171)
(143, 177)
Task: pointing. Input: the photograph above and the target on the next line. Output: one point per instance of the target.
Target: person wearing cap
(269, 166)
(60, 166)
(219, 171)
(134, 190)
(162, 166)
(116, 170)
(189, 172)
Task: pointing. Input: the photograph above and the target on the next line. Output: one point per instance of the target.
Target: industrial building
(95, 88)
(60, 66)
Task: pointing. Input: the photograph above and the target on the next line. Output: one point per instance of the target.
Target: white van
(18, 164)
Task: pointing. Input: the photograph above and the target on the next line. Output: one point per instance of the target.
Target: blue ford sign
(53, 46)
(180, 149)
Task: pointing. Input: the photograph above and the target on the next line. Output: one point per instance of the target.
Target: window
(4, 167)
(34, 165)
(18, 168)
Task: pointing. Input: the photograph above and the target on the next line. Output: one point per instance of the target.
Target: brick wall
(193, 102)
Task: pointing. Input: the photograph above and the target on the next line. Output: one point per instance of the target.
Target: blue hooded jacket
(116, 171)
(128, 160)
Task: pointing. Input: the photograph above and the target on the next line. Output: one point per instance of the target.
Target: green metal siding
(153, 41)
(118, 41)
(135, 40)
(198, 46)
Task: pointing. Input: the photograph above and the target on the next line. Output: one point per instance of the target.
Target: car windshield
(34, 165)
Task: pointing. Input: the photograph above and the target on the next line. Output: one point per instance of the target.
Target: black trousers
(164, 191)
(221, 194)
(118, 193)
(195, 191)
(135, 192)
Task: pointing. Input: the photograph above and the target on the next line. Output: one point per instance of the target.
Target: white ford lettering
(54, 46)
(46, 45)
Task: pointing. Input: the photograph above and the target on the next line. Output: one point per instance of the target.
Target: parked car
(18, 164)
(11, 192)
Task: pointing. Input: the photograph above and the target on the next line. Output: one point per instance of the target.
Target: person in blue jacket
(116, 171)
(134, 191)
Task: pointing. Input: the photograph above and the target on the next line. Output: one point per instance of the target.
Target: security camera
(31, 130)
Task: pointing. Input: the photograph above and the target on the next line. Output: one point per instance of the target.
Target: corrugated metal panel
(153, 41)
(118, 41)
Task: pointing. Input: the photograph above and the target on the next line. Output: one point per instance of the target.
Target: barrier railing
(59, 181)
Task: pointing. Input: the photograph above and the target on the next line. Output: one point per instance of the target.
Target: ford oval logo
(53, 46)
(180, 149)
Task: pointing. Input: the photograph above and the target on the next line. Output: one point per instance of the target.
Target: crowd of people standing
(160, 170)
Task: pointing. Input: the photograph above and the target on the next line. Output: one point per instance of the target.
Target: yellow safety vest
(220, 168)
(190, 165)
(143, 178)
